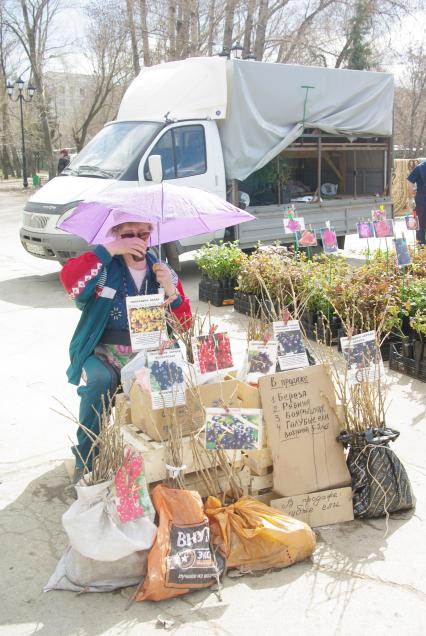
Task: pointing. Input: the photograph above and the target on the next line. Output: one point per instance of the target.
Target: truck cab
(117, 157)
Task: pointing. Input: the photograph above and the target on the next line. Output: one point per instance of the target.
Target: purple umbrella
(176, 212)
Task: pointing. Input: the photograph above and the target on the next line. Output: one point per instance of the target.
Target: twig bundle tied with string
(107, 450)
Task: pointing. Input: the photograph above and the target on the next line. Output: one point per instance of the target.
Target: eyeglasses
(142, 235)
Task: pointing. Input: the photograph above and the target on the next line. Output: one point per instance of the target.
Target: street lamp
(237, 51)
(21, 98)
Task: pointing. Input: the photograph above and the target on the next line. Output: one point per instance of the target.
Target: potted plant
(264, 280)
(409, 357)
(220, 264)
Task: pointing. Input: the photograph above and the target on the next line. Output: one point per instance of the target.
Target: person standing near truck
(99, 283)
(417, 177)
(64, 160)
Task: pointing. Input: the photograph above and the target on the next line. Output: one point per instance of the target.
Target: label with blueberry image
(291, 348)
(262, 359)
(166, 378)
(233, 429)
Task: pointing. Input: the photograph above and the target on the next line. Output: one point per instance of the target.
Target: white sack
(77, 573)
(94, 530)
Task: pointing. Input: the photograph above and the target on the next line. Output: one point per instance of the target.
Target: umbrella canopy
(176, 212)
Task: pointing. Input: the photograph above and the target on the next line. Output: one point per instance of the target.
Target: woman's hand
(134, 246)
(164, 278)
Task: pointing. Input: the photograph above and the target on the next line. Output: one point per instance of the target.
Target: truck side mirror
(156, 168)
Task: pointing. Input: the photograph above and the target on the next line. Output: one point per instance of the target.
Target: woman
(99, 282)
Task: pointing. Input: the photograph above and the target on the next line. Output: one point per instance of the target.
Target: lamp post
(19, 84)
(237, 51)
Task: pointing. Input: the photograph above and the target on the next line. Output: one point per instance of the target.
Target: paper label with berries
(291, 348)
(212, 355)
(262, 359)
(166, 376)
(233, 429)
(131, 492)
(363, 358)
(147, 321)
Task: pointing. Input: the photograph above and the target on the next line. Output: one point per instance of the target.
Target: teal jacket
(92, 280)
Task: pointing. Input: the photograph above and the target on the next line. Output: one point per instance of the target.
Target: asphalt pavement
(366, 577)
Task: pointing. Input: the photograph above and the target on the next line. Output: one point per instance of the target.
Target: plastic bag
(77, 573)
(128, 372)
(181, 558)
(380, 483)
(254, 536)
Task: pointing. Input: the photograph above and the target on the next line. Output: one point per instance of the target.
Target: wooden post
(319, 165)
(355, 174)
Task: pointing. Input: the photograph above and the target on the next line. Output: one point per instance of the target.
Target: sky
(70, 22)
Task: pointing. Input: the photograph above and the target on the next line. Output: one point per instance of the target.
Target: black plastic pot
(413, 366)
(247, 304)
(217, 292)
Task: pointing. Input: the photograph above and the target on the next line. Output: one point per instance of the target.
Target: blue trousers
(101, 383)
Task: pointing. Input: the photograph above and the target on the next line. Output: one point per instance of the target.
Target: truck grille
(32, 219)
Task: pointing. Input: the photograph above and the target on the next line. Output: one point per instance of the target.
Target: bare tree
(6, 141)
(110, 64)
(228, 27)
(145, 33)
(133, 38)
(31, 21)
(410, 105)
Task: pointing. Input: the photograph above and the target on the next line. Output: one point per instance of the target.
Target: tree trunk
(211, 28)
(171, 30)
(228, 28)
(194, 28)
(248, 28)
(16, 162)
(37, 77)
(262, 23)
(145, 38)
(133, 39)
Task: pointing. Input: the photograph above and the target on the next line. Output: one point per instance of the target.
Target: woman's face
(131, 230)
(141, 231)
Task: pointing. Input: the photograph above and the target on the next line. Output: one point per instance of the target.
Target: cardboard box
(302, 430)
(318, 508)
(154, 454)
(122, 401)
(249, 395)
(259, 461)
(188, 418)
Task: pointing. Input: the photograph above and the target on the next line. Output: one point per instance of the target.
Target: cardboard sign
(302, 430)
(318, 508)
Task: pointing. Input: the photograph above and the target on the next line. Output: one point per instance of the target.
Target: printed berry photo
(233, 429)
(214, 352)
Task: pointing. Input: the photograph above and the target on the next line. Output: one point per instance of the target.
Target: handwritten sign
(302, 429)
(318, 508)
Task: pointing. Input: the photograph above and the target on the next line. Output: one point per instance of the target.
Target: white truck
(277, 132)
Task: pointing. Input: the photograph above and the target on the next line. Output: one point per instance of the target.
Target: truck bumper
(55, 247)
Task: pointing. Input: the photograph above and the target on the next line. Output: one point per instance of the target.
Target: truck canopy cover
(264, 103)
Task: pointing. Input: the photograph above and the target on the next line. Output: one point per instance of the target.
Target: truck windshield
(113, 150)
